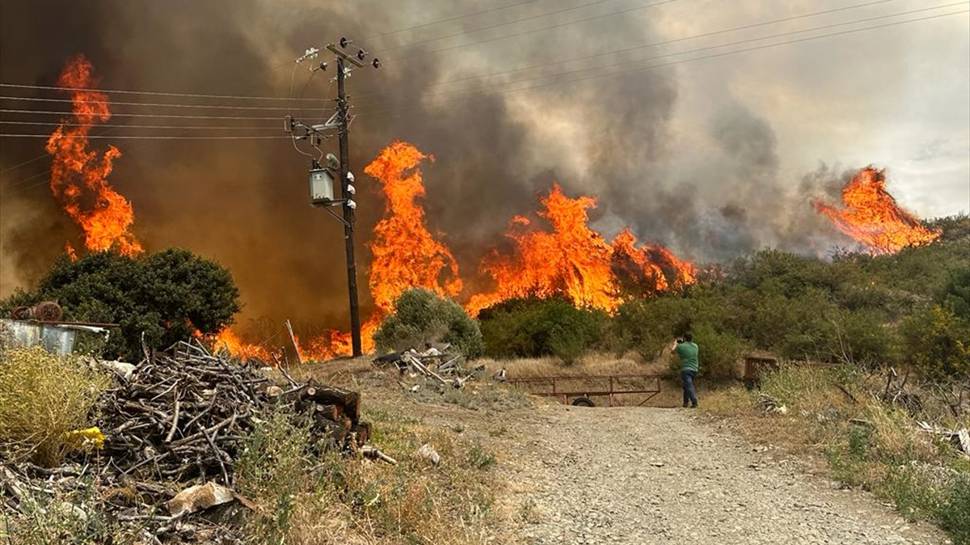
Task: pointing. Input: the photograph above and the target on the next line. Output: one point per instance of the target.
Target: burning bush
(43, 397)
(421, 317)
(534, 327)
(169, 296)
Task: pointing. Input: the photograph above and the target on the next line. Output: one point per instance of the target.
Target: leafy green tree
(166, 296)
(420, 316)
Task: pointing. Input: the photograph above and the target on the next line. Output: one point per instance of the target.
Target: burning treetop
(574, 260)
(871, 216)
(405, 254)
(79, 180)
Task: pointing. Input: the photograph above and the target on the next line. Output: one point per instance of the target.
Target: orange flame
(650, 268)
(575, 260)
(228, 340)
(79, 178)
(871, 216)
(572, 259)
(405, 254)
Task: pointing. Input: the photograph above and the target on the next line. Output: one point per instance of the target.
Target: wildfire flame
(405, 254)
(426, 262)
(571, 259)
(574, 260)
(229, 341)
(870, 215)
(79, 177)
(650, 268)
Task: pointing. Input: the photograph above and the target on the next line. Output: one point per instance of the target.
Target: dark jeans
(690, 394)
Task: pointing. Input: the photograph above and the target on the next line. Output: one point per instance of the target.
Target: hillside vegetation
(907, 309)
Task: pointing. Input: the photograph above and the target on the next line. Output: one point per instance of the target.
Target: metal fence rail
(586, 387)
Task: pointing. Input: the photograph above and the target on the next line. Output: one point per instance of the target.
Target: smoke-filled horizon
(713, 158)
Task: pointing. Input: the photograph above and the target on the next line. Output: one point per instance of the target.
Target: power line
(160, 104)
(130, 126)
(152, 93)
(278, 65)
(19, 184)
(452, 18)
(122, 114)
(150, 137)
(498, 25)
(713, 56)
(650, 67)
(27, 162)
(532, 31)
(257, 97)
(462, 92)
(657, 44)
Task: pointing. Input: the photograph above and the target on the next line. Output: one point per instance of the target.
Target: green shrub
(168, 296)
(954, 512)
(420, 317)
(534, 327)
(913, 492)
(649, 325)
(956, 293)
(719, 352)
(42, 398)
(936, 342)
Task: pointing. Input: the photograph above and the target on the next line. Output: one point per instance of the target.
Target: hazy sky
(713, 157)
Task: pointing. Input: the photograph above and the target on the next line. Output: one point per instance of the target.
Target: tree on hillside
(168, 296)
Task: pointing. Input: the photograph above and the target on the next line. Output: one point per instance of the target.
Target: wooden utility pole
(321, 189)
(343, 133)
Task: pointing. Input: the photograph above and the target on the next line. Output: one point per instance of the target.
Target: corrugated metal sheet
(55, 338)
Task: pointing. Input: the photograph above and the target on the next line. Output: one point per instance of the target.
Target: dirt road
(642, 476)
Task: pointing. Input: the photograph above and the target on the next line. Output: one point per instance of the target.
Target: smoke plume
(497, 144)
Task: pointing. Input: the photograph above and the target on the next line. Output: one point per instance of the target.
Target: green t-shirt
(687, 352)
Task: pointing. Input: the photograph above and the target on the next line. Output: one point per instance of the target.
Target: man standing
(687, 352)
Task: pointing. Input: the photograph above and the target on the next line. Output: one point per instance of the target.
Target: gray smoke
(497, 146)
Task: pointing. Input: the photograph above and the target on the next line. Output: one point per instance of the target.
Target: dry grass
(335, 500)
(307, 499)
(866, 442)
(588, 365)
(42, 398)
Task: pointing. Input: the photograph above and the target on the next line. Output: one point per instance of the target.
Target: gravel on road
(631, 475)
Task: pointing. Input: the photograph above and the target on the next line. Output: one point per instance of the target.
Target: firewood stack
(172, 433)
(335, 413)
(183, 413)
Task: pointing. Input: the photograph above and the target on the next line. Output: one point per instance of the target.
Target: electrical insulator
(351, 204)
(351, 189)
(350, 177)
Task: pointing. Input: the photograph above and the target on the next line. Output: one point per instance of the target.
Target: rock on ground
(637, 476)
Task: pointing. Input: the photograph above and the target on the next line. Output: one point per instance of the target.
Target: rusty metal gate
(609, 386)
